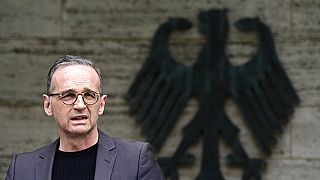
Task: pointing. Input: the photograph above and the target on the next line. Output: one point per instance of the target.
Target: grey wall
(116, 34)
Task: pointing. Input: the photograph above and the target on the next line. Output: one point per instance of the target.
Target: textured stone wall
(116, 34)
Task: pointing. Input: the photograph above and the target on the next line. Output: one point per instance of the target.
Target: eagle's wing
(261, 88)
(162, 87)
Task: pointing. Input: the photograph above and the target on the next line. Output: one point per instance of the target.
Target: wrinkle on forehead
(75, 77)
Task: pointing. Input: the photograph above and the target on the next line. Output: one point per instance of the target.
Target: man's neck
(78, 143)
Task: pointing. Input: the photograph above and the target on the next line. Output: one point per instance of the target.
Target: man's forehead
(74, 75)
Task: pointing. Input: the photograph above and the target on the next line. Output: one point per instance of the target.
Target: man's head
(74, 95)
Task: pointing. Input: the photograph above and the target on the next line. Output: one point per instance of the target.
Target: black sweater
(75, 165)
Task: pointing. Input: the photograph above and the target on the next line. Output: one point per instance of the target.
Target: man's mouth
(79, 117)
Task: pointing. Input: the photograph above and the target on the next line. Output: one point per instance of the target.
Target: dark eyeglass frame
(64, 94)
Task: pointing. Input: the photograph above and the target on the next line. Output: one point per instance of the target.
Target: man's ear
(102, 104)
(47, 105)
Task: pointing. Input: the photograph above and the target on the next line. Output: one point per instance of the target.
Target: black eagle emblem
(260, 88)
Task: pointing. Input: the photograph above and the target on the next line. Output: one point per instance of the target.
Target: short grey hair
(69, 60)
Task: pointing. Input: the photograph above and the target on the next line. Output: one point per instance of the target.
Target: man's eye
(68, 96)
(89, 95)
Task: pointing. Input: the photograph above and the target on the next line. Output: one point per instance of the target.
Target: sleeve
(10, 172)
(148, 166)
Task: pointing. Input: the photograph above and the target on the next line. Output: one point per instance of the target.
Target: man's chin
(79, 131)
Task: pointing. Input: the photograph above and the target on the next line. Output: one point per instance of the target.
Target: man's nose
(80, 104)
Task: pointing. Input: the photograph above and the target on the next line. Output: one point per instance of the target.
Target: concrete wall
(116, 34)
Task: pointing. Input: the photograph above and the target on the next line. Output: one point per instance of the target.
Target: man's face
(78, 118)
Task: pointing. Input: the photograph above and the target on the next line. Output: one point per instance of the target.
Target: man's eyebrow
(86, 89)
(68, 91)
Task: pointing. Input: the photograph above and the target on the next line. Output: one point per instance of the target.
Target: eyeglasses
(70, 98)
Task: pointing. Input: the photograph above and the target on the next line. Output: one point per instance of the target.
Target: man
(74, 98)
